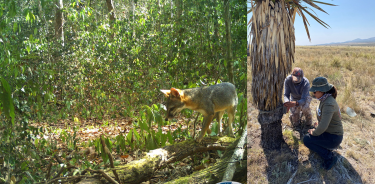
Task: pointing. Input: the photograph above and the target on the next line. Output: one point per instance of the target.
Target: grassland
(352, 71)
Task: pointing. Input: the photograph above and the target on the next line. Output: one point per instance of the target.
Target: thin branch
(106, 150)
(66, 179)
(62, 170)
(291, 178)
(110, 179)
(49, 169)
(306, 181)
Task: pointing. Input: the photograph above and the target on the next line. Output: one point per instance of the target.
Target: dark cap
(297, 75)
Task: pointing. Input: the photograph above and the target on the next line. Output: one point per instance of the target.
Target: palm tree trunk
(272, 54)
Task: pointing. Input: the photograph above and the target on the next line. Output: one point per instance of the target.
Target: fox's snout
(169, 116)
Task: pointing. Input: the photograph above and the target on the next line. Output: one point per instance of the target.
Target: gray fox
(210, 101)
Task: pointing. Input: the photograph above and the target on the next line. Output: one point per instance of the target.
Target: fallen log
(142, 170)
(218, 172)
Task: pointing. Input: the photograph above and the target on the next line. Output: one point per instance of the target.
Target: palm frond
(304, 22)
(314, 5)
(251, 19)
(250, 10)
(324, 3)
(316, 18)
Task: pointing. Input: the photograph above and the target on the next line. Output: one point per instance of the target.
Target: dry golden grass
(352, 71)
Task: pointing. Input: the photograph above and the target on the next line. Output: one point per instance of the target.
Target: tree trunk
(59, 21)
(270, 125)
(215, 44)
(228, 41)
(111, 12)
(272, 54)
(180, 27)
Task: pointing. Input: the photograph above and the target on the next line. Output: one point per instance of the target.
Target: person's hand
(316, 124)
(290, 104)
(311, 131)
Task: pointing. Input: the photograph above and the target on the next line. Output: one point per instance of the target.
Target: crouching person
(297, 98)
(328, 133)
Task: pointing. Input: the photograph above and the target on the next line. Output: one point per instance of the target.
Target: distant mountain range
(356, 42)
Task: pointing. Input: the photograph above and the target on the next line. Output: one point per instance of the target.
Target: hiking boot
(329, 164)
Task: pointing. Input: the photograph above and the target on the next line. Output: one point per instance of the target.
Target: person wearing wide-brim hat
(328, 133)
(297, 98)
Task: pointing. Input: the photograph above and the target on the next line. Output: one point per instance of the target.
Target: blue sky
(348, 21)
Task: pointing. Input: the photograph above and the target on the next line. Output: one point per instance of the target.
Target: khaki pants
(294, 114)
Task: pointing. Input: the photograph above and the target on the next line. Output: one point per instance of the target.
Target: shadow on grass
(341, 172)
(310, 165)
(294, 162)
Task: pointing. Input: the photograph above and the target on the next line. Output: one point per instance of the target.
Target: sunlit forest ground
(352, 71)
(73, 71)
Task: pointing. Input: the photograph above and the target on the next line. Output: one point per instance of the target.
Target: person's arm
(327, 112)
(305, 94)
(286, 91)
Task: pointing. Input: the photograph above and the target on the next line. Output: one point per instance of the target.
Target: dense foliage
(105, 69)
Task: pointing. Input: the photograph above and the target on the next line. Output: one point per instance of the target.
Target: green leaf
(164, 138)
(27, 16)
(159, 120)
(36, 142)
(136, 135)
(7, 100)
(43, 3)
(12, 9)
(215, 129)
(129, 136)
(24, 166)
(150, 115)
(15, 26)
(35, 31)
(144, 126)
(28, 48)
(170, 138)
(108, 143)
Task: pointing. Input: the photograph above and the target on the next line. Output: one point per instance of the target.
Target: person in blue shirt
(297, 98)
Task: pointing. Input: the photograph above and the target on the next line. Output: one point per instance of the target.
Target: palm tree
(271, 55)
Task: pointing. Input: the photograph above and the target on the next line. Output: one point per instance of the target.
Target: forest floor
(352, 71)
(63, 133)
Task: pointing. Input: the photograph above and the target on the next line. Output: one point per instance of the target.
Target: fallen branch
(62, 170)
(142, 170)
(49, 169)
(105, 175)
(215, 173)
(63, 179)
(238, 155)
(306, 181)
(291, 178)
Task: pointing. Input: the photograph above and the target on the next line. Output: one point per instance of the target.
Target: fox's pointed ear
(175, 92)
(166, 92)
